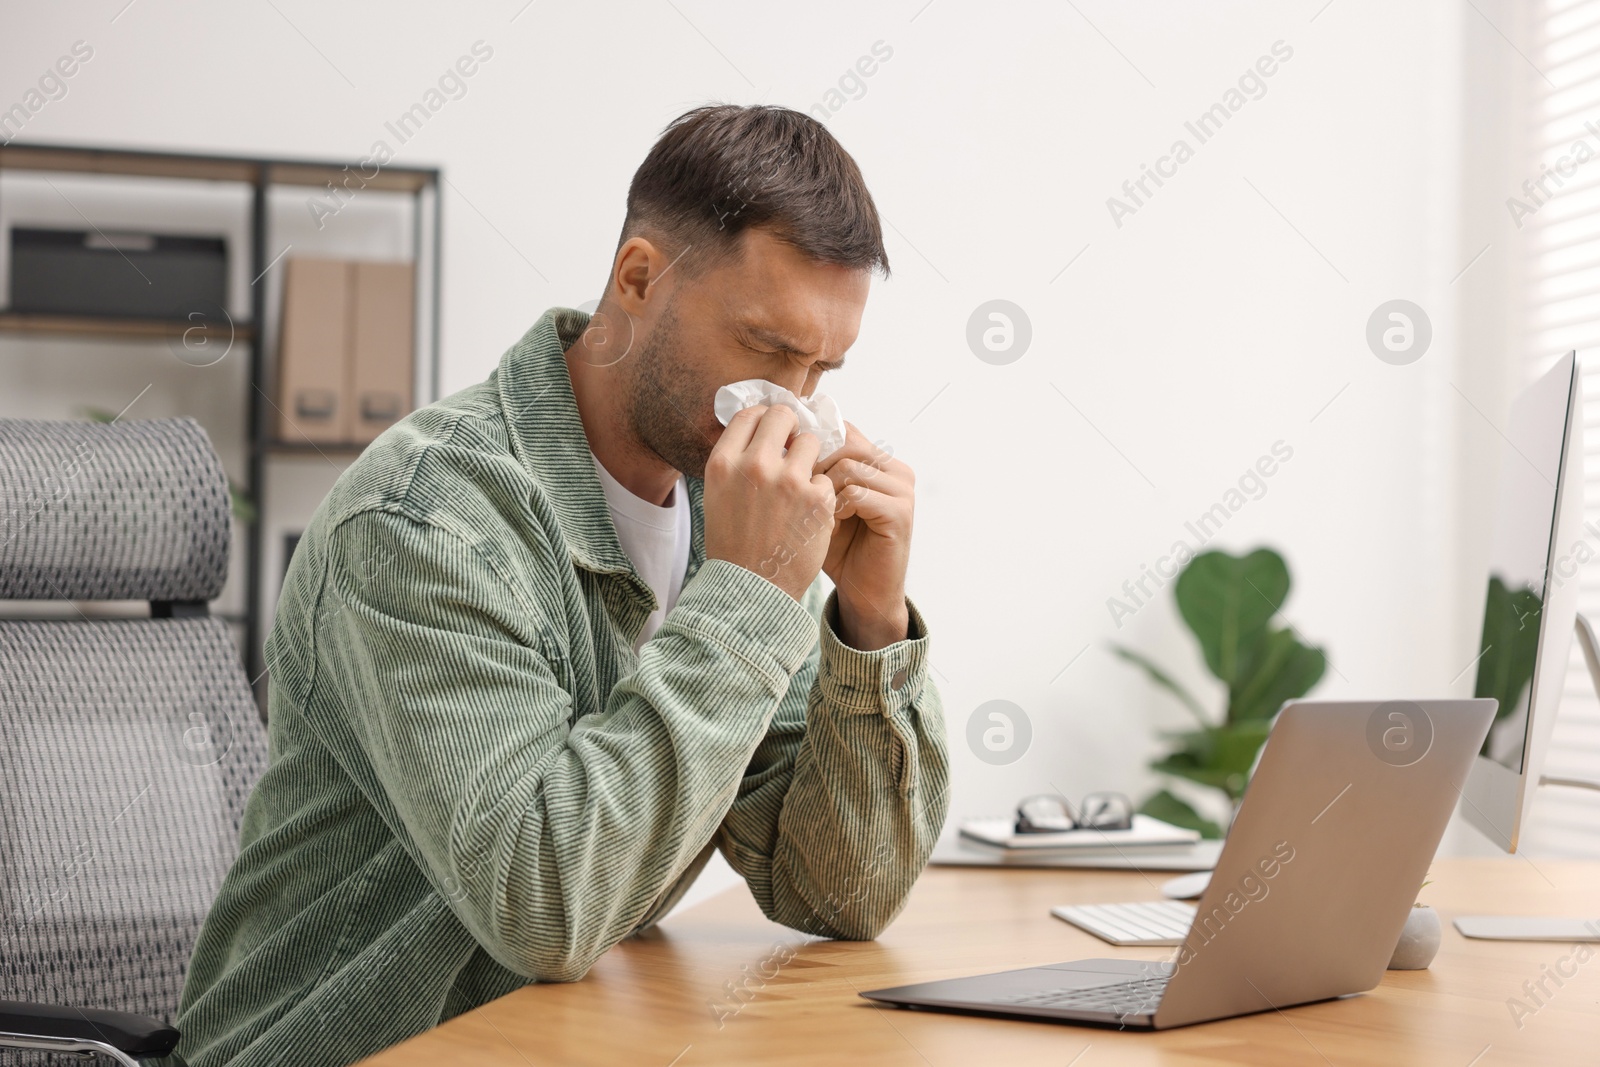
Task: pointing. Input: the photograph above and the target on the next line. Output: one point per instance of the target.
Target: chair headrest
(130, 510)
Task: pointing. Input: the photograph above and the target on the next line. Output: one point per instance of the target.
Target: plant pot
(1419, 941)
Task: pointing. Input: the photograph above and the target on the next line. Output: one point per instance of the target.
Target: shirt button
(898, 679)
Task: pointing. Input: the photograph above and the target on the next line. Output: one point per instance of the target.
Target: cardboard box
(312, 401)
(382, 352)
(346, 364)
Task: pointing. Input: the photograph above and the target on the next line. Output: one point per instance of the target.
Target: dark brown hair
(721, 169)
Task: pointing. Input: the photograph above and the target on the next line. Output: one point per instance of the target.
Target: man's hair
(721, 169)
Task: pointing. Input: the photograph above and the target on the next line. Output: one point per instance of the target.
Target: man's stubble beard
(664, 397)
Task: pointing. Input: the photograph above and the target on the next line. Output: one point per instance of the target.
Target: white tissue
(817, 414)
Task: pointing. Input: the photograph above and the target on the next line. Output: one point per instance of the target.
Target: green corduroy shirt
(475, 782)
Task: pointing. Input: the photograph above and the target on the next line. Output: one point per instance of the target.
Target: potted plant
(1229, 603)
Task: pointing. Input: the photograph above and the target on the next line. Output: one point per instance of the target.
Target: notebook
(1145, 832)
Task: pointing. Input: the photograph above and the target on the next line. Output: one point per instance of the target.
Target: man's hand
(871, 543)
(765, 511)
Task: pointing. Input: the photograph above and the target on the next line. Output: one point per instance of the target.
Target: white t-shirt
(656, 540)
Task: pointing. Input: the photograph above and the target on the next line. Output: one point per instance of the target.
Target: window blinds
(1561, 312)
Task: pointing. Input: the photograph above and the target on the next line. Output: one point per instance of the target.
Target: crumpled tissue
(817, 414)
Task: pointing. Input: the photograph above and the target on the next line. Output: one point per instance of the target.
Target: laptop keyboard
(1161, 922)
(1138, 997)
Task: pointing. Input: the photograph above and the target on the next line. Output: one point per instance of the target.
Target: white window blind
(1561, 310)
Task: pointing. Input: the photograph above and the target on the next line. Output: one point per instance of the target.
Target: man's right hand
(766, 511)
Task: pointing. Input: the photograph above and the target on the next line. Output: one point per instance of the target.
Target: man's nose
(794, 380)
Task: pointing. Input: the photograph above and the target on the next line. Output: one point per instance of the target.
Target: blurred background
(1154, 342)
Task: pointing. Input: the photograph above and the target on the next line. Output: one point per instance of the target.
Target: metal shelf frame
(261, 174)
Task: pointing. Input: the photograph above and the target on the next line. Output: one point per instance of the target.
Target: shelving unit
(69, 325)
(260, 177)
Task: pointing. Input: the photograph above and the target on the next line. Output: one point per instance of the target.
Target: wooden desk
(656, 999)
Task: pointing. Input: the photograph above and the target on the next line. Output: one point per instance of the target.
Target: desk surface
(784, 999)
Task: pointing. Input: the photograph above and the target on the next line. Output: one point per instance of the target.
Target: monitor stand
(1535, 928)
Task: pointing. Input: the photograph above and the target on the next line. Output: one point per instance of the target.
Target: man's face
(770, 313)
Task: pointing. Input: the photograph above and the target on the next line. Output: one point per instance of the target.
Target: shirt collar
(547, 436)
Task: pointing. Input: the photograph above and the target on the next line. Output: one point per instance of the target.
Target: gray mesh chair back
(127, 746)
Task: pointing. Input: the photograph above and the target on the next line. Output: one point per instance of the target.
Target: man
(551, 640)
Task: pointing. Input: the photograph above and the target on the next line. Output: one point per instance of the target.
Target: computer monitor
(1531, 606)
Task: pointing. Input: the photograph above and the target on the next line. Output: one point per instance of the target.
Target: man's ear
(638, 266)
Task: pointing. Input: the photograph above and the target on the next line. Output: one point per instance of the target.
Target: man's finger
(857, 446)
(772, 432)
(847, 472)
(736, 437)
(878, 510)
(803, 449)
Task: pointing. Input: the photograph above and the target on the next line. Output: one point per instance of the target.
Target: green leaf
(1277, 669)
(1219, 757)
(1228, 601)
(1185, 765)
(1165, 681)
(1168, 808)
(244, 508)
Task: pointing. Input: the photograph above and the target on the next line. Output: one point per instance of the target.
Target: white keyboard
(1158, 922)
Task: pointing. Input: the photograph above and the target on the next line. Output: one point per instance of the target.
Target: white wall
(1222, 317)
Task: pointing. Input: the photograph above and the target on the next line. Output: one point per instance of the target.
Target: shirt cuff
(883, 681)
(742, 611)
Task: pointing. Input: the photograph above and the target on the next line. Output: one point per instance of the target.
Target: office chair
(128, 746)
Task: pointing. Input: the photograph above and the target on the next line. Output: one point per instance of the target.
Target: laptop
(1323, 862)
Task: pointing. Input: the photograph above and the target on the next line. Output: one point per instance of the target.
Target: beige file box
(312, 378)
(378, 378)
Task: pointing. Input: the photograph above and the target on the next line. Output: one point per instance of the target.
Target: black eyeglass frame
(1073, 818)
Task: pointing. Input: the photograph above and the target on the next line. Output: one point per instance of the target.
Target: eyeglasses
(1051, 813)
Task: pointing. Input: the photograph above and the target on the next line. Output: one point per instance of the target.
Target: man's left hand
(871, 543)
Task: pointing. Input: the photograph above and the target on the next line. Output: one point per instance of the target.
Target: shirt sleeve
(549, 837)
(841, 805)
